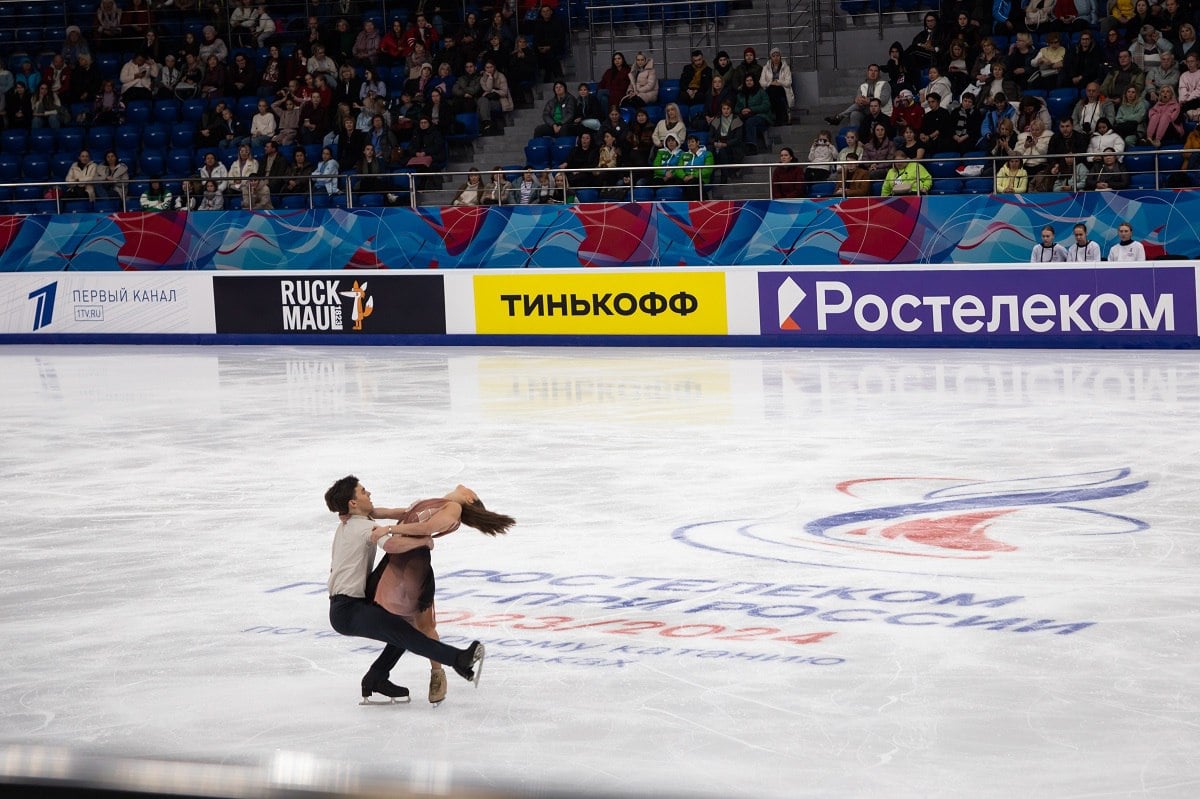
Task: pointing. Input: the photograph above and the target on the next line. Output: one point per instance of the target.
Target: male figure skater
(351, 613)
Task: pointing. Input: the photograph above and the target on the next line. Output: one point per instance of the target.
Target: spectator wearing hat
(74, 46)
(666, 160)
(776, 78)
(906, 113)
(723, 66)
(748, 66)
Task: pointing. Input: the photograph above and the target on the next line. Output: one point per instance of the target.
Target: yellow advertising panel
(616, 303)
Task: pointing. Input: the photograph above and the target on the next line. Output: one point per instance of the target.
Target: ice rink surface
(736, 573)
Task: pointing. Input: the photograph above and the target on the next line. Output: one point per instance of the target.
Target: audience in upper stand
(965, 82)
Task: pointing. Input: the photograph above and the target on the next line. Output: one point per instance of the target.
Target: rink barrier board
(1150, 305)
(934, 230)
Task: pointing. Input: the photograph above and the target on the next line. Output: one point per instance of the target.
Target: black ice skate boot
(469, 665)
(375, 684)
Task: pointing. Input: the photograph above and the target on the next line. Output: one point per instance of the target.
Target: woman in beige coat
(494, 96)
(643, 83)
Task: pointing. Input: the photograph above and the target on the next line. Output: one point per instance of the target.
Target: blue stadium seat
(670, 193)
(537, 154)
(41, 140)
(943, 168)
(668, 91)
(35, 166)
(15, 141)
(183, 134)
(978, 186)
(151, 163)
(824, 188)
(154, 136)
(560, 152)
(70, 140)
(107, 205)
(100, 138)
(1060, 102)
(588, 195)
(1139, 160)
(180, 163)
(60, 164)
(946, 186)
(1144, 180)
(138, 112)
(10, 168)
(166, 112)
(293, 202)
(193, 110)
(128, 138)
(470, 123)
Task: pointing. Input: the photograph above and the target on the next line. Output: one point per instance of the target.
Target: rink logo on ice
(376, 304)
(931, 519)
(43, 314)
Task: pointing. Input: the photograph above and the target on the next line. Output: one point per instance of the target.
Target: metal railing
(616, 185)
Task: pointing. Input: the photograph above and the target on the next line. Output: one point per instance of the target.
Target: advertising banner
(337, 305)
(1070, 305)
(595, 303)
(98, 303)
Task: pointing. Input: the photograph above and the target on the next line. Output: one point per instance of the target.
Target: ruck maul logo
(318, 304)
(43, 314)
(332, 305)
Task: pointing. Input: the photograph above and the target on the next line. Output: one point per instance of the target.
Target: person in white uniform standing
(1126, 249)
(1082, 249)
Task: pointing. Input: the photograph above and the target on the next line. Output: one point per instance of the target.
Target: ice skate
(437, 686)
(470, 663)
(396, 694)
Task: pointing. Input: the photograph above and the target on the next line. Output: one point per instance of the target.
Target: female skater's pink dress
(406, 585)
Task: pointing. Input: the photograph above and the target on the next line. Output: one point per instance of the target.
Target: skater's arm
(396, 543)
(431, 523)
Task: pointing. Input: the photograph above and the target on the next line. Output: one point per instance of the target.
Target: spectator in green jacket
(667, 161)
(699, 169)
(906, 177)
(753, 107)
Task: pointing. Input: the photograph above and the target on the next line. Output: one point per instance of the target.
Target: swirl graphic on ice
(937, 519)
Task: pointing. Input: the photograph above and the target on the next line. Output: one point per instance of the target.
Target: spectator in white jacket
(776, 78)
(82, 177)
(214, 170)
(263, 125)
(1103, 138)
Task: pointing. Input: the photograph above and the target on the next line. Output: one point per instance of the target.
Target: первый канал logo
(43, 313)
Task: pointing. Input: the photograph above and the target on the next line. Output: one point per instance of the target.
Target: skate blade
(477, 665)
(435, 704)
(388, 701)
